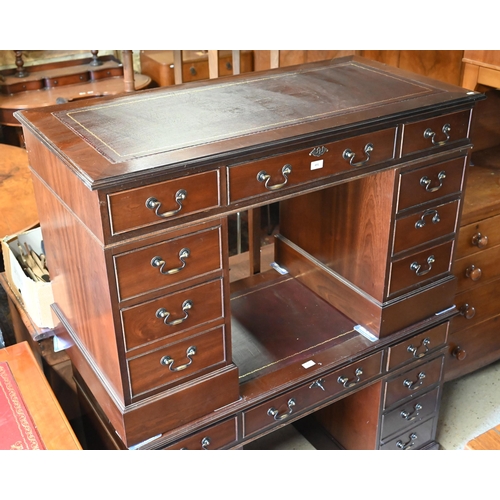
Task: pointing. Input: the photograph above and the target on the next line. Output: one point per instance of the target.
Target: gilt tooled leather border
(119, 133)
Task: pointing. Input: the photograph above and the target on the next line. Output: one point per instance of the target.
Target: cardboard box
(36, 296)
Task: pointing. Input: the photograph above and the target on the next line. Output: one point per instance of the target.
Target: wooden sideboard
(350, 325)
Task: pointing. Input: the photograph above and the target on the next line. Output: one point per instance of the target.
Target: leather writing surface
(163, 121)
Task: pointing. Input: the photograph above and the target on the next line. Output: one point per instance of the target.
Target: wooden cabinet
(134, 195)
(160, 65)
(474, 340)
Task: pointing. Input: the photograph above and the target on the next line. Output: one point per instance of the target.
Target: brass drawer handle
(168, 361)
(153, 204)
(429, 134)
(163, 314)
(409, 417)
(414, 350)
(205, 443)
(345, 381)
(159, 262)
(409, 444)
(435, 218)
(273, 412)
(415, 266)
(414, 385)
(263, 176)
(426, 182)
(348, 155)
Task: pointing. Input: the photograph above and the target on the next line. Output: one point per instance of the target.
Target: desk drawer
(472, 348)
(476, 305)
(409, 413)
(175, 362)
(478, 236)
(477, 268)
(172, 314)
(307, 165)
(214, 438)
(277, 410)
(163, 201)
(413, 382)
(168, 262)
(435, 132)
(413, 438)
(417, 347)
(430, 183)
(425, 225)
(420, 267)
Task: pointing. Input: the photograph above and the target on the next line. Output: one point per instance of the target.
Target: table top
(197, 124)
(17, 198)
(49, 418)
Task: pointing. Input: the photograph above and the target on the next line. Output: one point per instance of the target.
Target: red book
(17, 429)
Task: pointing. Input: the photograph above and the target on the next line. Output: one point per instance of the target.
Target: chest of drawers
(367, 164)
(474, 341)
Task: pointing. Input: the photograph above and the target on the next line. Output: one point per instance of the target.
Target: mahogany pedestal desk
(350, 325)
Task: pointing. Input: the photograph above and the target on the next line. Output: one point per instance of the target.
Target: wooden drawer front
(176, 361)
(472, 348)
(413, 382)
(409, 413)
(420, 267)
(182, 404)
(430, 183)
(476, 304)
(477, 268)
(417, 347)
(166, 263)
(434, 133)
(214, 438)
(286, 406)
(195, 306)
(426, 225)
(174, 199)
(305, 166)
(478, 236)
(412, 439)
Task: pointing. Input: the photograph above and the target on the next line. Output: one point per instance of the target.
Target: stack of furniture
(368, 164)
